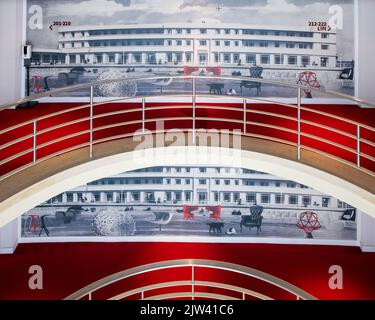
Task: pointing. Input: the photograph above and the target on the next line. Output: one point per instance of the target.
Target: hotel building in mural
(192, 44)
(174, 186)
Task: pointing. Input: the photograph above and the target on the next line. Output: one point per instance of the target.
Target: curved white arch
(322, 181)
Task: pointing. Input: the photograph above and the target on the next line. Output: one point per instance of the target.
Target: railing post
(90, 297)
(244, 116)
(193, 103)
(143, 114)
(142, 295)
(34, 141)
(243, 296)
(358, 146)
(192, 283)
(91, 116)
(299, 124)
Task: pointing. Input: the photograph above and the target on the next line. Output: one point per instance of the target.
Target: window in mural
(192, 201)
(308, 42)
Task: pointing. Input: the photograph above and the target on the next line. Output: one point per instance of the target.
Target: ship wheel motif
(308, 79)
(308, 222)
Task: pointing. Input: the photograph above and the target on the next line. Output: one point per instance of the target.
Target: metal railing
(89, 290)
(244, 122)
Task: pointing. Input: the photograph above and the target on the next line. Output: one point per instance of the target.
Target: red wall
(68, 267)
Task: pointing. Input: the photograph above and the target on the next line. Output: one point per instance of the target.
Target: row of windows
(126, 43)
(265, 198)
(126, 31)
(179, 181)
(177, 57)
(265, 59)
(202, 43)
(200, 169)
(127, 181)
(229, 31)
(113, 32)
(226, 31)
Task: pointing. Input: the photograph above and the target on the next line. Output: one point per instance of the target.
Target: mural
(192, 201)
(308, 42)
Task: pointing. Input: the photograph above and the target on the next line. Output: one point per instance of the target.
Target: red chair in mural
(190, 70)
(37, 84)
(215, 71)
(216, 210)
(187, 211)
(308, 222)
(34, 222)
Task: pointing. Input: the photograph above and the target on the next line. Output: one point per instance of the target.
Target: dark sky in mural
(268, 12)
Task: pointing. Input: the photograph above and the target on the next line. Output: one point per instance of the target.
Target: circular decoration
(111, 222)
(124, 88)
(308, 79)
(308, 222)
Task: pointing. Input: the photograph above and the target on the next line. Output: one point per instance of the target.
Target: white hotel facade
(199, 185)
(192, 44)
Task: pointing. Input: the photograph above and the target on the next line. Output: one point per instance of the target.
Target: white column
(11, 61)
(286, 199)
(285, 59)
(143, 58)
(11, 65)
(67, 59)
(272, 59)
(366, 231)
(103, 197)
(90, 196)
(364, 65)
(91, 58)
(272, 198)
(299, 60)
(117, 58)
(257, 59)
(221, 196)
(258, 198)
(299, 200)
(9, 237)
(142, 196)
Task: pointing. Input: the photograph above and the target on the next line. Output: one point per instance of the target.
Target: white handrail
(239, 78)
(358, 151)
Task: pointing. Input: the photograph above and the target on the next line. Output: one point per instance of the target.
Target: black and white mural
(308, 42)
(191, 201)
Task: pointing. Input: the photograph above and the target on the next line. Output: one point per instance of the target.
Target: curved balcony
(192, 288)
(54, 136)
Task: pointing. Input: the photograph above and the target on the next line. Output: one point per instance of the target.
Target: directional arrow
(329, 28)
(51, 27)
